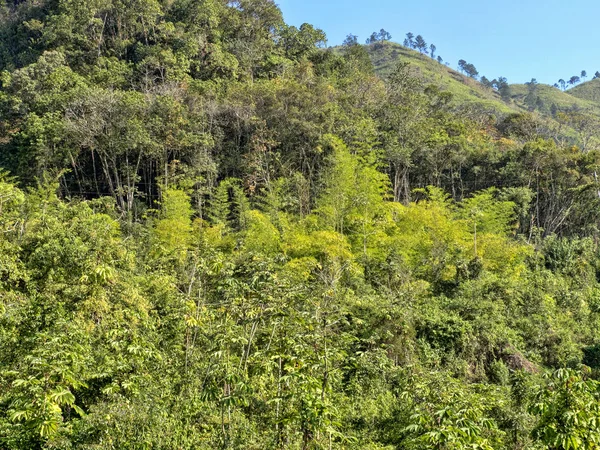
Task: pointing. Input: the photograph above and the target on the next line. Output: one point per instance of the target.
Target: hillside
(386, 55)
(467, 91)
(590, 91)
(553, 96)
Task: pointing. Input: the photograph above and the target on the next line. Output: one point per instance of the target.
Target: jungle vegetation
(216, 232)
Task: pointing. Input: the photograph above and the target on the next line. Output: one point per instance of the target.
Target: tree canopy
(218, 233)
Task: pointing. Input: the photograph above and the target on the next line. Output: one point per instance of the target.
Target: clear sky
(520, 40)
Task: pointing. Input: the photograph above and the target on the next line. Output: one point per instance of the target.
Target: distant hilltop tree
(350, 40)
(503, 88)
(471, 71)
(420, 44)
(440, 60)
(596, 75)
(532, 83)
(574, 80)
(486, 82)
(432, 49)
(372, 39)
(532, 100)
(562, 84)
(380, 36)
(384, 35)
(468, 68)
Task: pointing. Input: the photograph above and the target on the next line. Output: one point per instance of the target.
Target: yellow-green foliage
(387, 310)
(435, 237)
(261, 235)
(173, 228)
(353, 202)
(329, 265)
(429, 240)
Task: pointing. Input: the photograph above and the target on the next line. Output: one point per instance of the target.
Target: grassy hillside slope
(467, 91)
(385, 56)
(589, 90)
(551, 95)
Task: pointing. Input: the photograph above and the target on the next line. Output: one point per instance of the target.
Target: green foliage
(217, 234)
(173, 228)
(451, 417)
(568, 410)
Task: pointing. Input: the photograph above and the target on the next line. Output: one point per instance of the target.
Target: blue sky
(520, 40)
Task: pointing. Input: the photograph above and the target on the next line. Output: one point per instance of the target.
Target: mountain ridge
(386, 55)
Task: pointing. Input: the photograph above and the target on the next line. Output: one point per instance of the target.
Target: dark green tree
(350, 40)
(372, 39)
(420, 44)
(470, 70)
(384, 35)
(531, 99)
(562, 84)
(503, 88)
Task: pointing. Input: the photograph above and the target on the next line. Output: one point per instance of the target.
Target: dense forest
(216, 232)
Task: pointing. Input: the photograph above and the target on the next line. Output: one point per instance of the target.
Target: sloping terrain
(386, 55)
(553, 96)
(589, 90)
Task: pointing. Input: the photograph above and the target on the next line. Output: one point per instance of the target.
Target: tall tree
(384, 35)
(420, 44)
(563, 84)
(531, 99)
(503, 88)
(350, 40)
(470, 70)
(373, 38)
(486, 82)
